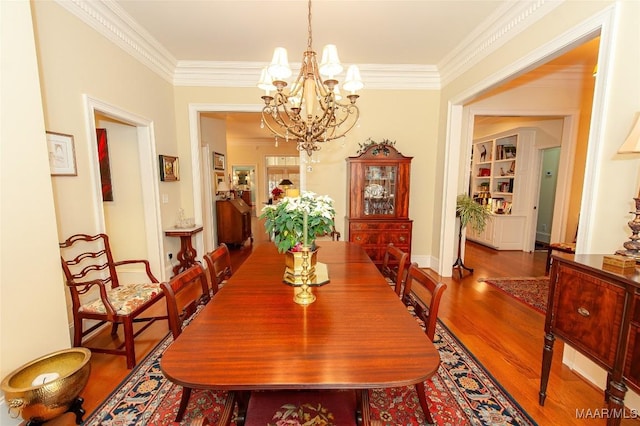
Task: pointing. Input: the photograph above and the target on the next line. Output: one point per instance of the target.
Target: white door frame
(194, 136)
(148, 176)
(600, 23)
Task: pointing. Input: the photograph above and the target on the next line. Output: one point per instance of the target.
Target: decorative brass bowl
(47, 387)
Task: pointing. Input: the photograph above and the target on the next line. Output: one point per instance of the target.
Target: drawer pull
(583, 312)
(402, 239)
(358, 238)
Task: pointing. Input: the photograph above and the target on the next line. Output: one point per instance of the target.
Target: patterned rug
(532, 291)
(461, 393)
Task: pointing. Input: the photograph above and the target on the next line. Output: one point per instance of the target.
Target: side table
(187, 254)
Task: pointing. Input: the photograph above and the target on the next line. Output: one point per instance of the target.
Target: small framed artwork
(169, 168)
(218, 161)
(62, 156)
(219, 178)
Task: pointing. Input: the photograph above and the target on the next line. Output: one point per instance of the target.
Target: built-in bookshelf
(499, 178)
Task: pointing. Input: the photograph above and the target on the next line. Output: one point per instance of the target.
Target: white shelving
(500, 180)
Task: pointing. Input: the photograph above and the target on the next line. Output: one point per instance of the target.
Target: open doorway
(460, 123)
(546, 195)
(129, 135)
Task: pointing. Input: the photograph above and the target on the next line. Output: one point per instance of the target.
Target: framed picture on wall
(62, 156)
(169, 168)
(218, 161)
(219, 177)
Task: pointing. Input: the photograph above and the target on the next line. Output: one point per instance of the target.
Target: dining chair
(219, 267)
(394, 265)
(97, 294)
(420, 287)
(338, 407)
(181, 307)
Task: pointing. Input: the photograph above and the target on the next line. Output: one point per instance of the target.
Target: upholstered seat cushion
(301, 407)
(124, 298)
(566, 247)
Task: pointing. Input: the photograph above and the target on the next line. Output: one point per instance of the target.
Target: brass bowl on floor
(47, 387)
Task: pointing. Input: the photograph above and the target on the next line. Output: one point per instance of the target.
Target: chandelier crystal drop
(312, 110)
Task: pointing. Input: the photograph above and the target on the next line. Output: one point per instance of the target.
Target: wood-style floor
(504, 335)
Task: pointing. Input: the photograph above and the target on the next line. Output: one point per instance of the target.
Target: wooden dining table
(253, 336)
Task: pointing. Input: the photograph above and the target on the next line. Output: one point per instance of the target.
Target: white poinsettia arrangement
(287, 220)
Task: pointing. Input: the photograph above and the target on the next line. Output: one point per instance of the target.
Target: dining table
(252, 336)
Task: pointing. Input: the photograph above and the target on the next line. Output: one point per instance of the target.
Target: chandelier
(312, 110)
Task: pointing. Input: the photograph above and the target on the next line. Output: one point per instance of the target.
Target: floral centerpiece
(276, 193)
(288, 220)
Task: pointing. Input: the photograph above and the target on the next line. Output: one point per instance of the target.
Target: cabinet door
(587, 313)
(380, 190)
(632, 360)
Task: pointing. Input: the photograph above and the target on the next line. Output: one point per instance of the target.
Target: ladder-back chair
(97, 293)
(181, 307)
(394, 267)
(219, 267)
(422, 295)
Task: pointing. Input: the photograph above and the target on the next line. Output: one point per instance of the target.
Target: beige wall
(33, 318)
(414, 131)
(75, 60)
(253, 154)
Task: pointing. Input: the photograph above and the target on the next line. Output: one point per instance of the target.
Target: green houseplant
(284, 221)
(470, 213)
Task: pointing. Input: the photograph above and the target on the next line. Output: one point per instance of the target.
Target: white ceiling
(437, 35)
(365, 31)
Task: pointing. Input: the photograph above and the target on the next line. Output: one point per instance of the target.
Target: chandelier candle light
(311, 112)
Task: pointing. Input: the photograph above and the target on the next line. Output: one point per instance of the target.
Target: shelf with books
(499, 180)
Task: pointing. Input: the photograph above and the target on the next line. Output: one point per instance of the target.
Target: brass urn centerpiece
(293, 224)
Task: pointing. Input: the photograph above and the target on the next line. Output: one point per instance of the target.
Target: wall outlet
(169, 256)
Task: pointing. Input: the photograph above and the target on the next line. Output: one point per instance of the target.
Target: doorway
(139, 142)
(244, 182)
(569, 48)
(546, 195)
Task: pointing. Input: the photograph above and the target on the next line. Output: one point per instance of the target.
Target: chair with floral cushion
(98, 295)
(219, 267)
(394, 267)
(420, 287)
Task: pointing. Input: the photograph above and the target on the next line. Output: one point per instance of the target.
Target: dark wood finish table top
(252, 335)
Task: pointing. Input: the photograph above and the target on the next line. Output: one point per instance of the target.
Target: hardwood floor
(504, 335)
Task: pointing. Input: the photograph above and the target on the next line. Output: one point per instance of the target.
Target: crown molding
(246, 74)
(110, 20)
(503, 25)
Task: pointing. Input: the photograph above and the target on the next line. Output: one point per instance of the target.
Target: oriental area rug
(461, 393)
(532, 291)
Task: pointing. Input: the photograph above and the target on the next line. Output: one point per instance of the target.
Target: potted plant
(470, 213)
(293, 225)
(276, 193)
(285, 221)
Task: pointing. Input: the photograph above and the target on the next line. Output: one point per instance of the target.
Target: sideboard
(597, 312)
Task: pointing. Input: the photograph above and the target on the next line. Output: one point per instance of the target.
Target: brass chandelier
(312, 111)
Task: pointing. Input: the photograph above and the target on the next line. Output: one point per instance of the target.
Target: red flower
(276, 192)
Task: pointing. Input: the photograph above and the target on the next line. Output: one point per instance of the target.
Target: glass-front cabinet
(380, 190)
(378, 200)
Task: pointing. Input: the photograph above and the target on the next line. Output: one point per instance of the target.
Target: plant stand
(459, 263)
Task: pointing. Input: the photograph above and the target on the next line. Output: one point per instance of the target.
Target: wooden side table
(187, 254)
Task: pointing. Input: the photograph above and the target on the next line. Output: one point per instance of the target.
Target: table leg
(547, 356)
(186, 255)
